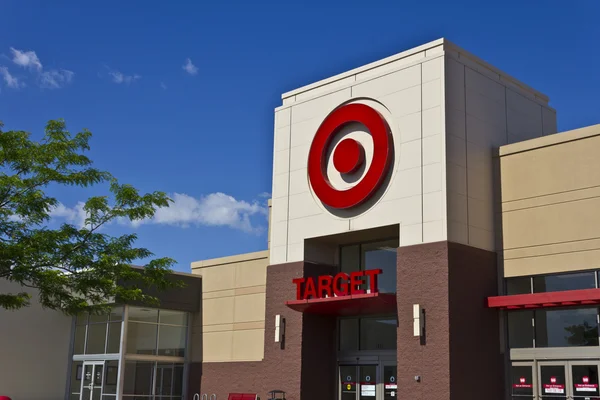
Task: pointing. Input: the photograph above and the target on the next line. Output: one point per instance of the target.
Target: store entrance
(555, 380)
(91, 382)
(368, 381)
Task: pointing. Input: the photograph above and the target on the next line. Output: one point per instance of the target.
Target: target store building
(431, 237)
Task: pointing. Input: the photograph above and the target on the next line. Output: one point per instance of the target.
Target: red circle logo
(349, 156)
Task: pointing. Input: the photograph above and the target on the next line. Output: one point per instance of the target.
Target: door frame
(378, 362)
(570, 372)
(565, 365)
(94, 364)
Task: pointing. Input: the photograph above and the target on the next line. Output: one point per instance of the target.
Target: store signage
(586, 386)
(522, 384)
(341, 284)
(553, 387)
(349, 156)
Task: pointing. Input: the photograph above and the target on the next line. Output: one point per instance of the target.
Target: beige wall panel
(577, 220)
(555, 169)
(552, 263)
(30, 370)
(218, 346)
(248, 345)
(251, 273)
(218, 311)
(220, 278)
(250, 308)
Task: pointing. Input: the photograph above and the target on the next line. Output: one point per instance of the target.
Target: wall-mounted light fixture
(279, 329)
(418, 321)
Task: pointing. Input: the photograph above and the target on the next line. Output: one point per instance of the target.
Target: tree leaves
(72, 268)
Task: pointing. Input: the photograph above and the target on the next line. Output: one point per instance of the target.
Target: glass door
(553, 380)
(91, 382)
(584, 380)
(390, 385)
(522, 381)
(358, 382)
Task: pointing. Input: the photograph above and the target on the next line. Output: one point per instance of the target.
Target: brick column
(459, 357)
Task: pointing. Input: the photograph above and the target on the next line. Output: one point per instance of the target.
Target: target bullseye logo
(349, 156)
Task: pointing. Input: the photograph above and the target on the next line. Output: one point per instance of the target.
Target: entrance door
(390, 385)
(368, 382)
(91, 382)
(577, 380)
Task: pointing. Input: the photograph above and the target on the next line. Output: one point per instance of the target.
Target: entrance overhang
(351, 305)
(546, 300)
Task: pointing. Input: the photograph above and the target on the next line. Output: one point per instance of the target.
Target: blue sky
(202, 130)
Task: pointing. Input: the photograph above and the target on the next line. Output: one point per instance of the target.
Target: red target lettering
(349, 156)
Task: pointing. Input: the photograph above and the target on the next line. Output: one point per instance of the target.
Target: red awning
(359, 304)
(544, 300)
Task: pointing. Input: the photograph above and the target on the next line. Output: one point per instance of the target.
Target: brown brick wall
(459, 358)
(474, 328)
(423, 279)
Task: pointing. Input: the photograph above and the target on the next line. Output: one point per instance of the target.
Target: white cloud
(162, 85)
(118, 77)
(189, 67)
(55, 79)
(74, 215)
(26, 59)
(11, 81)
(215, 209)
(265, 195)
(47, 79)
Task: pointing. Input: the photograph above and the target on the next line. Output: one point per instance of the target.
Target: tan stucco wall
(551, 203)
(34, 350)
(233, 307)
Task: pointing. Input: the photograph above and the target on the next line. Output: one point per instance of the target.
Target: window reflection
(566, 328)
(556, 283)
(378, 334)
(520, 329)
(377, 255)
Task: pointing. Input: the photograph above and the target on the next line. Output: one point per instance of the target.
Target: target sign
(349, 156)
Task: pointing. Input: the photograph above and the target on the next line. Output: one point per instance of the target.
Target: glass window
(81, 318)
(378, 334)
(79, 340)
(76, 371)
(138, 378)
(116, 314)
(382, 255)
(555, 283)
(566, 328)
(141, 338)
(350, 259)
(522, 382)
(143, 314)
(111, 377)
(114, 337)
(521, 285)
(171, 340)
(98, 318)
(520, 329)
(173, 317)
(348, 334)
(96, 338)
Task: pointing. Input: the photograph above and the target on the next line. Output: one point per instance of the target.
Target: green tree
(72, 268)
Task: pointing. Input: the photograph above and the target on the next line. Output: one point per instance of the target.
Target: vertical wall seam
(506, 114)
(422, 194)
(466, 152)
(289, 174)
